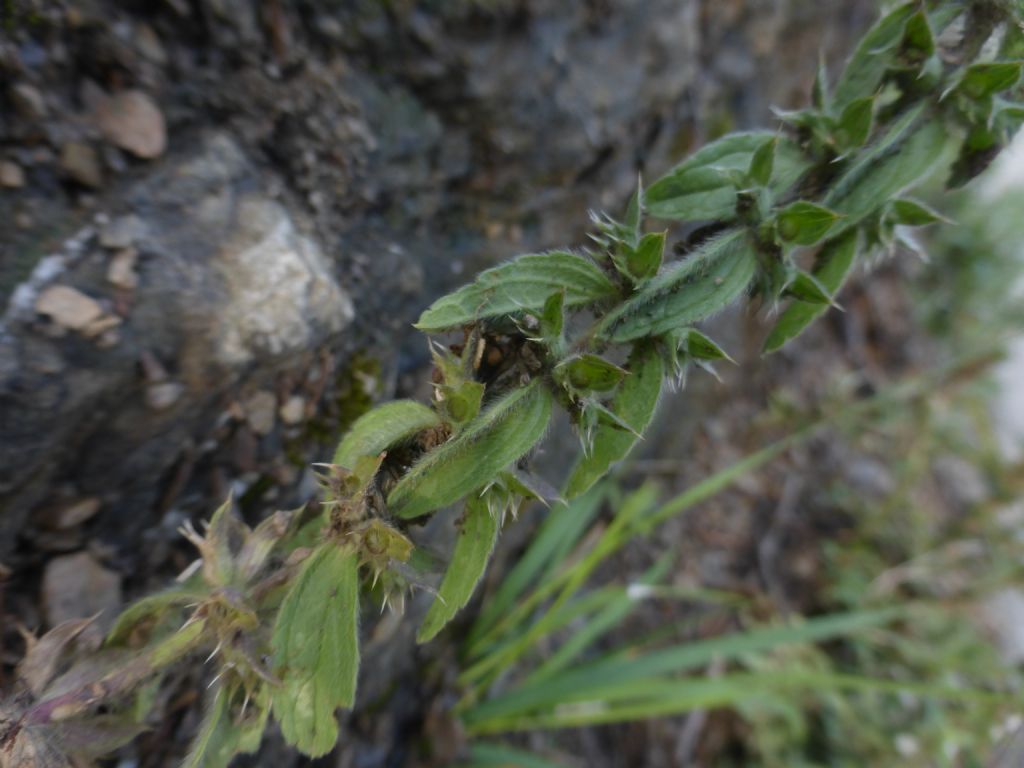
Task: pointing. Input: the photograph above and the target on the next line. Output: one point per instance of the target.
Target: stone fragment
(259, 412)
(122, 232)
(121, 270)
(77, 586)
(28, 101)
(11, 175)
(280, 287)
(68, 307)
(149, 45)
(100, 326)
(132, 121)
(70, 514)
(163, 394)
(80, 163)
(293, 410)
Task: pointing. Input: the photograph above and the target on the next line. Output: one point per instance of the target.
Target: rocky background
(218, 219)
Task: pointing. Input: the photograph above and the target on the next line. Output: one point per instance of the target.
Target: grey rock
(122, 232)
(164, 394)
(231, 293)
(77, 586)
(260, 412)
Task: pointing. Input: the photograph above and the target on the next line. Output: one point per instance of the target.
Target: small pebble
(11, 175)
(79, 162)
(68, 307)
(132, 121)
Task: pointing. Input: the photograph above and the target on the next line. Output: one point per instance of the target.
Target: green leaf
(552, 318)
(635, 212)
(590, 682)
(589, 373)
(834, 262)
(762, 163)
(634, 403)
(807, 288)
(701, 347)
(473, 547)
(701, 188)
(221, 737)
(692, 195)
(384, 426)
(557, 536)
(987, 79)
(918, 40)
(914, 146)
(316, 649)
(873, 56)
(149, 610)
(644, 261)
(461, 402)
(500, 435)
(521, 285)
(701, 285)
(819, 90)
(854, 126)
(913, 213)
(805, 223)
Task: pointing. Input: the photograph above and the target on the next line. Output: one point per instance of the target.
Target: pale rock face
(1007, 178)
(279, 287)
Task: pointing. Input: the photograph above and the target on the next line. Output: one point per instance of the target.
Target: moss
(356, 387)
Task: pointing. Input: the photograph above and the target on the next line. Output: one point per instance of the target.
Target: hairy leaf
(701, 347)
(834, 263)
(699, 286)
(586, 373)
(43, 656)
(552, 318)
(805, 223)
(316, 649)
(913, 213)
(383, 427)
(473, 548)
(700, 187)
(873, 55)
(988, 78)
(915, 146)
(806, 287)
(634, 403)
(461, 402)
(522, 285)
(95, 736)
(644, 261)
(762, 162)
(855, 123)
(149, 609)
(224, 733)
(500, 435)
